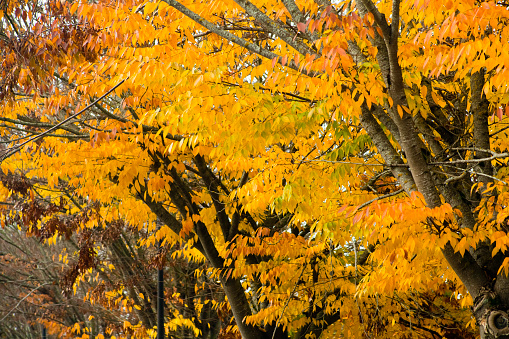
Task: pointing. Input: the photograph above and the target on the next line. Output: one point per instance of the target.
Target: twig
(361, 318)
(474, 149)
(455, 178)
(472, 171)
(240, 28)
(287, 302)
(356, 163)
(373, 180)
(474, 161)
(379, 198)
(491, 177)
(437, 163)
(26, 296)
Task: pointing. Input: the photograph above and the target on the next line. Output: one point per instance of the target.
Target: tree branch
(57, 126)
(387, 151)
(235, 39)
(379, 17)
(395, 21)
(380, 198)
(275, 28)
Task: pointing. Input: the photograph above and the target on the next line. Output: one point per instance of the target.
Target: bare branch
(395, 21)
(386, 150)
(287, 302)
(356, 163)
(294, 10)
(472, 161)
(26, 296)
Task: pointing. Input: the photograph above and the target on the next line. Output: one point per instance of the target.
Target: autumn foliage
(310, 169)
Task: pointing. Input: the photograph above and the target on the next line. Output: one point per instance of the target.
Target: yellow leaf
(424, 91)
(438, 100)
(150, 7)
(400, 111)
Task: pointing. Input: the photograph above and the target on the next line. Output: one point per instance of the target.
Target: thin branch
(437, 163)
(361, 318)
(307, 155)
(455, 178)
(235, 39)
(110, 115)
(57, 126)
(472, 161)
(380, 198)
(35, 124)
(31, 133)
(26, 296)
(357, 163)
(243, 29)
(491, 177)
(476, 149)
(372, 181)
(287, 302)
(301, 98)
(472, 170)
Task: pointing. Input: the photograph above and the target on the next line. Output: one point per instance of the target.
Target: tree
(324, 158)
(45, 286)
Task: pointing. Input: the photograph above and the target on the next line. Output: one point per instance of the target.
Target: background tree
(59, 286)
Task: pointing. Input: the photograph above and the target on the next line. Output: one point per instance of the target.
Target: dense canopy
(309, 168)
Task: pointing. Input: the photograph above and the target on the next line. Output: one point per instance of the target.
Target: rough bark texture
(391, 157)
(493, 320)
(490, 305)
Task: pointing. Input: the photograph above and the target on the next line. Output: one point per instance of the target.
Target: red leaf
(425, 62)
(342, 209)
(274, 62)
(302, 26)
(356, 218)
(341, 51)
(284, 60)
